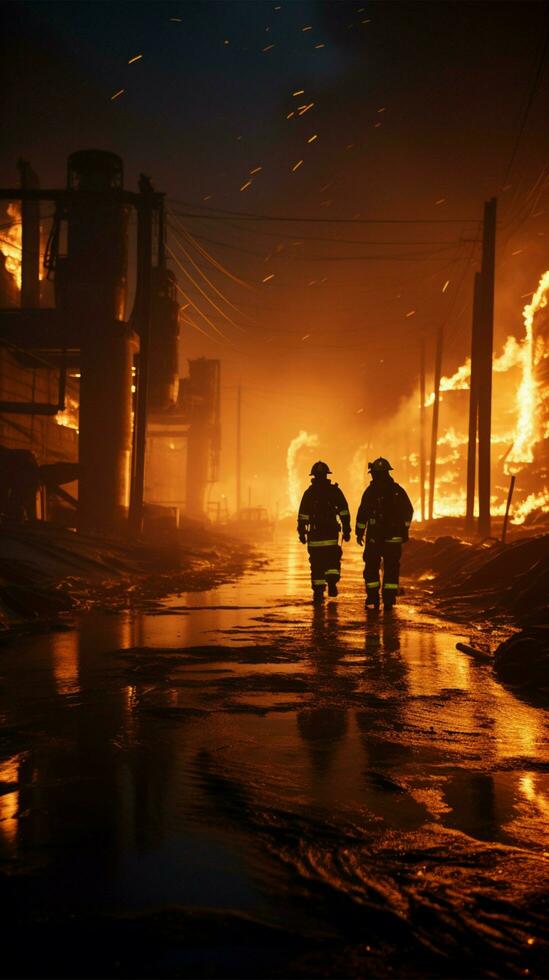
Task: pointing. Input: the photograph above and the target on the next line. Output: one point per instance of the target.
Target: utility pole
(434, 428)
(144, 217)
(473, 407)
(485, 351)
(238, 447)
(422, 466)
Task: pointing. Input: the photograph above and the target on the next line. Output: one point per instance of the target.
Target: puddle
(246, 752)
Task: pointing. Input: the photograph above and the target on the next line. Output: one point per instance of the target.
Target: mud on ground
(47, 571)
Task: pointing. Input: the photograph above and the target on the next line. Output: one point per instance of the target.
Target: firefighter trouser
(325, 560)
(390, 552)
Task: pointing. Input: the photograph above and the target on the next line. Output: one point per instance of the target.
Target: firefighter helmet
(320, 469)
(380, 465)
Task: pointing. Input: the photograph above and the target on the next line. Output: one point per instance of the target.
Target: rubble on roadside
(47, 570)
(500, 582)
(510, 579)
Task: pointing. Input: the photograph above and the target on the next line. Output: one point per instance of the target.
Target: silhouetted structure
(78, 364)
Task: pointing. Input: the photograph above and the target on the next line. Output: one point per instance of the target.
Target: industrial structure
(83, 384)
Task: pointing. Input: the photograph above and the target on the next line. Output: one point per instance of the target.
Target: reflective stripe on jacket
(322, 512)
(385, 512)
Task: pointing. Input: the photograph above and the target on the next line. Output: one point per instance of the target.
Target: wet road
(242, 784)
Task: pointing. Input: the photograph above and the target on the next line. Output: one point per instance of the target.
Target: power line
(204, 294)
(328, 239)
(441, 252)
(194, 305)
(210, 283)
(190, 322)
(217, 214)
(532, 94)
(212, 260)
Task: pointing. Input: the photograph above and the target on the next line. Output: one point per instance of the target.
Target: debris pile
(507, 584)
(501, 580)
(523, 660)
(46, 569)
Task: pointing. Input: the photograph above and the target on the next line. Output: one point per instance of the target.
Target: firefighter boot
(372, 598)
(318, 594)
(389, 598)
(332, 586)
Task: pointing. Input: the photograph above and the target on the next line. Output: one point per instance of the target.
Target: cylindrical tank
(97, 245)
(164, 342)
(94, 298)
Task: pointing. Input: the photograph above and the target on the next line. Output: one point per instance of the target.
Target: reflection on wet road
(365, 796)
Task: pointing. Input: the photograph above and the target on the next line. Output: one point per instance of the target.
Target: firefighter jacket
(323, 507)
(385, 512)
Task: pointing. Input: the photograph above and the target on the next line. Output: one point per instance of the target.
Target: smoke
(358, 470)
(301, 441)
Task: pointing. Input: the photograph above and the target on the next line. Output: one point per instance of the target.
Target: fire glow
(11, 243)
(528, 427)
(295, 488)
(11, 240)
(532, 352)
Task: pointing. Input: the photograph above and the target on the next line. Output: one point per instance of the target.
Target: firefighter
(323, 512)
(384, 515)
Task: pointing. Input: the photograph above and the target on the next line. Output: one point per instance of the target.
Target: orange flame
(527, 432)
(510, 356)
(458, 381)
(11, 242)
(69, 416)
(535, 501)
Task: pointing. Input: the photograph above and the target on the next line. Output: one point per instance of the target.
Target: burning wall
(520, 421)
(54, 438)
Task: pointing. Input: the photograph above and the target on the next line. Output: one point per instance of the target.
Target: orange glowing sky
(234, 108)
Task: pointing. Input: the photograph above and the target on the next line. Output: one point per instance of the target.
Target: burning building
(82, 382)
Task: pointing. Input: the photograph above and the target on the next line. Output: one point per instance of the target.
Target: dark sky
(414, 104)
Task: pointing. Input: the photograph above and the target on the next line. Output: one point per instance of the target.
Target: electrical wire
(451, 336)
(207, 280)
(199, 311)
(531, 96)
(213, 261)
(187, 319)
(217, 214)
(335, 258)
(200, 290)
(328, 239)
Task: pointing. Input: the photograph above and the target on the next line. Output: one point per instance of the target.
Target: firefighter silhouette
(322, 514)
(384, 516)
